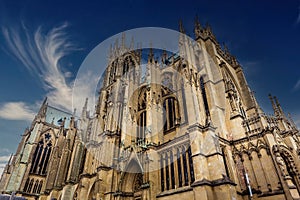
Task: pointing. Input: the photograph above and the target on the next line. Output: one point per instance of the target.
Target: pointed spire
(274, 106)
(132, 43)
(123, 40)
(181, 29)
(209, 32)
(42, 112)
(226, 50)
(279, 107)
(72, 122)
(164, 56)
(111, 52)
(292, 121)
(150, 55)
(84, 109)
(198, 28)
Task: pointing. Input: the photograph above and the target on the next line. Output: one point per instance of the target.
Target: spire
(132, 43)
(150, 55)
(42, 112)
(72, 122)
(291, 120)
(84, 113)
(279, 107)
(164, 57)
(198, 28)
(276, 112)
(111, 52)
(181, 29)
(209, 32)
(123, 40)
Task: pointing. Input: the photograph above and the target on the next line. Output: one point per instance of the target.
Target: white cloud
(4, 159)
(40, 52)
(16, 111)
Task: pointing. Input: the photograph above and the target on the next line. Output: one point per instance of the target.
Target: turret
(274, 106)
(197, 29)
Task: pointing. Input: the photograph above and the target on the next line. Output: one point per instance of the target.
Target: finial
(291, 120)
(150, 55)
(72, 122)
(181, 29)
(111, 52)
(123, 40)
(164, 57)
(74, 112)
(197, 29)
(226, 50)
(274, 106)
(279, 107)
(86, 103)
(132, 43)
(45, 101)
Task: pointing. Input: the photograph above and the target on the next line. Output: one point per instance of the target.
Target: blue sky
(263, 35)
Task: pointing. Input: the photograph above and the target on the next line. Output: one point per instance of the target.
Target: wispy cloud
(297, 85)
(298, 18)
(40, 52)
(16, 111)
(4, 158)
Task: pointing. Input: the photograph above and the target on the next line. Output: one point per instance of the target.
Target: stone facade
(186, 127)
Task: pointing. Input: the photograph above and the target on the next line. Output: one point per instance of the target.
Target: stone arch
(288, 167)
(227, 75)
(131, 180)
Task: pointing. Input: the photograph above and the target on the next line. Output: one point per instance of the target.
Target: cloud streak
(40, 52)
(298, 18)
(16, 111)
(297, 85)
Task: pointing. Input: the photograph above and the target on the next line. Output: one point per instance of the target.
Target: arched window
(26, 185)
(204, 96)
(172, 170)
(185, 167)
(179, 168)
(191, 165)
(167, 172)
(35, 186)
(30, 186)
(142, 125)
(41, 156)
(169, 113)
(40, 187)
(162, 176)
(45, 160)
(36, 157)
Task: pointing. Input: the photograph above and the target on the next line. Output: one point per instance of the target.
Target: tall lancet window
(142, 125)
(41, 156)
(169, 113)
(204, 96)
(142, 116)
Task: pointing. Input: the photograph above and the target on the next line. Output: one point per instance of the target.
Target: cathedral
(182, 125)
